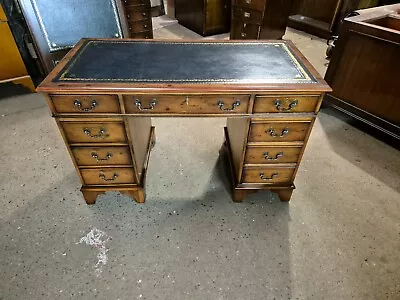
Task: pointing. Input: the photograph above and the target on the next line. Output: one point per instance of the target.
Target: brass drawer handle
(101, 135)
(273, 176)
(138, 104)
(247, 15)
(272, 132)
(96, 156)
(247, 1)
(277, 156)
(291, 105)
(78, 105)
(234, 105)
(103, 176)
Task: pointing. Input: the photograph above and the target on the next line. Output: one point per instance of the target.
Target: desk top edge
(49, 86)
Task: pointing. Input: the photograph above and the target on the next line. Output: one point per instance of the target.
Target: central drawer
(92, 156)
(282, 131)
(196, 104)
(108, 176)
(96, 132)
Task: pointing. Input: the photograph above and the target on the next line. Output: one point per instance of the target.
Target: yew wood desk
(104, 93)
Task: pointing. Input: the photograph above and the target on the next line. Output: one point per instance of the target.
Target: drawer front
(268, 175)
(92, 156)
(243, 31)
(137, 13)
(283, 104)
(247, 15)
(278, 131)
(136, 2)
(141, 26)
(142, 35)
(85, 103)
(252, 4)
(272, 155)
(213, 104)
(104, 132)
(108, 176)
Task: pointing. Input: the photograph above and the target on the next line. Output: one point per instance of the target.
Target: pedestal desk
(104, 93)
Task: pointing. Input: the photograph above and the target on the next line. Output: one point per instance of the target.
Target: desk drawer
(279, 131)
(245, 15)
(139, 27)
(272, 155)
(210, 104)
(92, 156)
(85, 103)
(137, 13)
(253, 4)
(108, 176)
(102, 132)
(285, 104)
(268, 175)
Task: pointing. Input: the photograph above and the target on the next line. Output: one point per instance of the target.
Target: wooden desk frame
(242, 138)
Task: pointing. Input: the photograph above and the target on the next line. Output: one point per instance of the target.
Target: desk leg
(91, 193)
(285, 194)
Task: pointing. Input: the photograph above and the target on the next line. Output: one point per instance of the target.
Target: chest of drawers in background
(205, 17)
(138, 16)
(259, 19)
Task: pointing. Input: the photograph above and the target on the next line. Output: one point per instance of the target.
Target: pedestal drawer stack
(274, 145)
(99, 146)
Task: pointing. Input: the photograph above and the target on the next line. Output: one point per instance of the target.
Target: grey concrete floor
(339, 238)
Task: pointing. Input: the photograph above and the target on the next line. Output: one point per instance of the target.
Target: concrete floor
(339, 238)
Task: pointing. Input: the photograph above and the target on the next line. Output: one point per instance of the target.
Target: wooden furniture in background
(259, 19)
(138, 15)
(268, 91)
(364, 69)
(205, 17)
(12, 68)
(322, 17)
(56, 26)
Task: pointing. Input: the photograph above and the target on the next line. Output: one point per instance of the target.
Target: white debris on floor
(98, 239)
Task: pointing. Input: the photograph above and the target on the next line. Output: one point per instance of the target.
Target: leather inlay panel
(149, 62)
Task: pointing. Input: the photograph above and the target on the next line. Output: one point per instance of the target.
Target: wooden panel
(237, 132)
(85, 132)
(275, 19)
(216, 104)
(278, 131)
(285, 104)
(139, 135)
(268, 175)
(190, 13)
(137, 2)
(108, 176)
(322, 10)
(272, 155)
(217, 16)
(367, 79)
(85, 103)
(252, 4)
(91, 156)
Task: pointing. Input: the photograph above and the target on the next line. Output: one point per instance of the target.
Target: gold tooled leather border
(295, 62)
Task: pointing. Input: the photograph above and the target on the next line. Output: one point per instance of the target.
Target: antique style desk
(105, 91)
